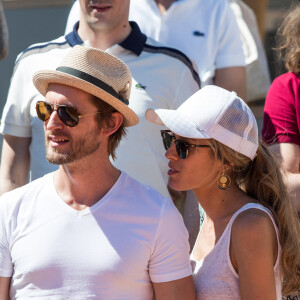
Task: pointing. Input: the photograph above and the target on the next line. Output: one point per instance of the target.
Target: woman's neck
(219, 204)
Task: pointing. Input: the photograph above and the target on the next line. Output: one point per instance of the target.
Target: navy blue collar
(134, 42)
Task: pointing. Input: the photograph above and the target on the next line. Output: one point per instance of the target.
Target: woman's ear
(114, 124)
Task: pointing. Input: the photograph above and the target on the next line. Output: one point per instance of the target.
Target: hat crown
(224, 117)
(102, 66)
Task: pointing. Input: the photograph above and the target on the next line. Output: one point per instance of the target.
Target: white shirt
(112, 250)
(205, 30)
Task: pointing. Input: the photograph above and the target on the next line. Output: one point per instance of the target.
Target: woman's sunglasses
(67, 114)
(182, 148)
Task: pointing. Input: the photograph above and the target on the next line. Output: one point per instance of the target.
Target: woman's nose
(171, 153)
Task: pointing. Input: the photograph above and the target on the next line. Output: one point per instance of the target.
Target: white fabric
(159, 80)
(205, 30)
(215, 277)
(108, 251)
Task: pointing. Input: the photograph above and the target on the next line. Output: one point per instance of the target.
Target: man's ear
(114, 124)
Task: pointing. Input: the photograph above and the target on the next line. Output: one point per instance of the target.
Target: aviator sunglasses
(67, 114)
(182, 148)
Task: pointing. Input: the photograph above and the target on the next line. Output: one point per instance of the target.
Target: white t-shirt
(205, 30)
(112, 250)
(162, 78)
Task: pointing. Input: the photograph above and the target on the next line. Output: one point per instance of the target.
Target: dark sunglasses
(67, 114)
(182, 148)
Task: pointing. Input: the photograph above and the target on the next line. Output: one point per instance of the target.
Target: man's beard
(79, 148)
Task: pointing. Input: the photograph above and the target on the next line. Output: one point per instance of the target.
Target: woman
(249, 240)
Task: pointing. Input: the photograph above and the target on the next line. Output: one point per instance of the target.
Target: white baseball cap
(216, 113)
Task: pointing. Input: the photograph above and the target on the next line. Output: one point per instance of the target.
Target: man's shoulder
(172, 56)
(39, 51)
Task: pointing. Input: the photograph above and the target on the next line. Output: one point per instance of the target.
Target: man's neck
(103, 39)
(163, 5)
(82, 187)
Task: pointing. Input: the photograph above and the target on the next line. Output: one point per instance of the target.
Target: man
(89, 231)
(162, 77)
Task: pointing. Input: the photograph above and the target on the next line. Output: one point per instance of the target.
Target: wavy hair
(288, 39)
(103, 120)
(263, 180)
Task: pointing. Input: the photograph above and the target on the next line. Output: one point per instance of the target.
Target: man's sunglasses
(182, 148)
(67, 114)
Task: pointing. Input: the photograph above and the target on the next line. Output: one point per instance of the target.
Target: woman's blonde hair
(262, 180)
(288, 39)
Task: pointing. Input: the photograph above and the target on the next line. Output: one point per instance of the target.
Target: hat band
(91, 79)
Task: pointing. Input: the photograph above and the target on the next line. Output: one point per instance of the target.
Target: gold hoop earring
(224, 181)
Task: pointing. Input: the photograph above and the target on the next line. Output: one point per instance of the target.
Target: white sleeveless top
(215, 277)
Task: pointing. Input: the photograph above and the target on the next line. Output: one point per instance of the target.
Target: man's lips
(101, 8)
(56, 141)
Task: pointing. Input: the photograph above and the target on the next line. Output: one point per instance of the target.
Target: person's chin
(176, 185)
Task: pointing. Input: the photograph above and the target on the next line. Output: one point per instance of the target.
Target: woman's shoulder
(253, 226)
(252, 219)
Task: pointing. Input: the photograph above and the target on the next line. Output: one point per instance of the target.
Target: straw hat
(96, 72)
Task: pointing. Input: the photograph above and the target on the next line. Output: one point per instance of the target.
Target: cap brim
(177, 122)
(42, 79)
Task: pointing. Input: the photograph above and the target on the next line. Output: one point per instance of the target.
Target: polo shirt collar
(134, 42)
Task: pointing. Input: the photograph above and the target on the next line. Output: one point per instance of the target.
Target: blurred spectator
(259, 7)
(281, 127)
(3, 33)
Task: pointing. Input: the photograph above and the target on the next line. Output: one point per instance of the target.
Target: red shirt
(282, 111)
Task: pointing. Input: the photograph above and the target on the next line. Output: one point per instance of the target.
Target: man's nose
(54, 122)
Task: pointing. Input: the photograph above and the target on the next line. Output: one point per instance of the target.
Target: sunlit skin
(67, 144)
(197, 172)
(104, 23)
(82, 149)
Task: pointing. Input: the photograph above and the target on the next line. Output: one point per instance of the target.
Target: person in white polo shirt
(162, 77)
(205, 30)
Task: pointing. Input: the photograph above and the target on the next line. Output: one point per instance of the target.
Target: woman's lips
(172, 171)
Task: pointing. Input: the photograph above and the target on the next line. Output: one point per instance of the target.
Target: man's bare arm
(289, 157)
(232, 79)
(15, 161)
(4, 288)
(175, 290)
